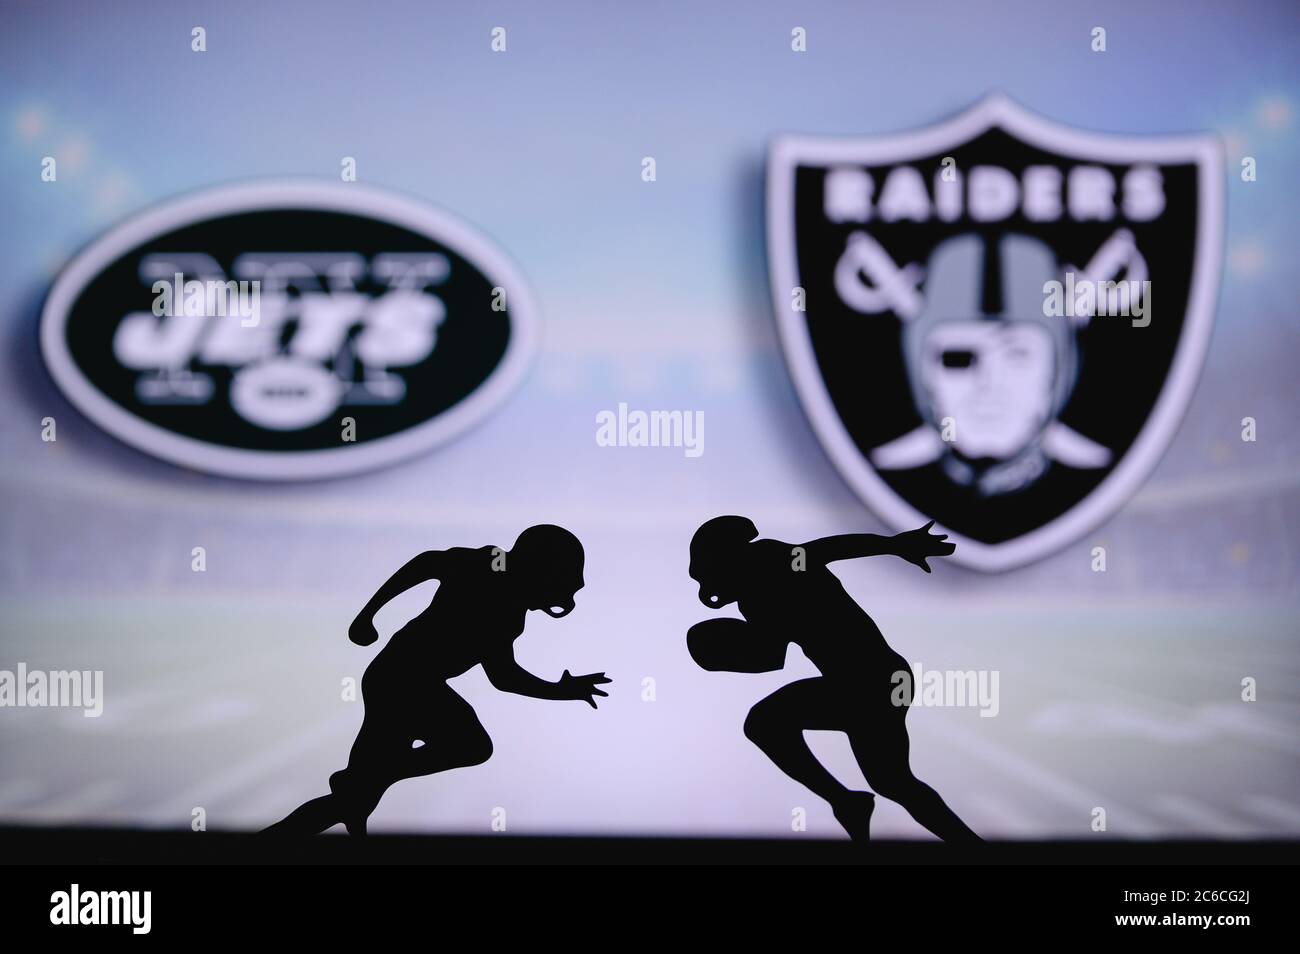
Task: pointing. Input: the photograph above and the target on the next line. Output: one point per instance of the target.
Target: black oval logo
(288, 330)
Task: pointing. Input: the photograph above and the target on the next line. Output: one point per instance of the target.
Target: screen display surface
(624, 269)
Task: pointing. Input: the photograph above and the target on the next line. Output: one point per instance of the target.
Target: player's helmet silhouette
(549, 562)
(982, 352)
(715, 552)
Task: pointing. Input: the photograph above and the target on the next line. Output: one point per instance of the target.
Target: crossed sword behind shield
(891, 288)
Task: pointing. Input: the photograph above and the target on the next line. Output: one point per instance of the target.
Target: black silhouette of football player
(786, 594)
(415, 724)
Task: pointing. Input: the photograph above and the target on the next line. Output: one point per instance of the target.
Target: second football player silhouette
(786, 594)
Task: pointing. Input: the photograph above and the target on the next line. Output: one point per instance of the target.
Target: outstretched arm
(847, 546)
(507, 675)
(914, 546)
(426, 566)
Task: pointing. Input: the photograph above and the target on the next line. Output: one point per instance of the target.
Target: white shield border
(787, 152)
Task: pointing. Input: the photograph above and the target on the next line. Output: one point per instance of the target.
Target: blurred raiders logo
(996, 322)
(288, 330)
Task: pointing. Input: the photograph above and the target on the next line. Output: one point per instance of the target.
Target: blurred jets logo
(996, 322)
(288, 330)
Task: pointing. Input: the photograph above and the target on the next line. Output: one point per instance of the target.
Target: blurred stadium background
(1119, 690)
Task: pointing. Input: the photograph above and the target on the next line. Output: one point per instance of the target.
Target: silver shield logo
(996, 322)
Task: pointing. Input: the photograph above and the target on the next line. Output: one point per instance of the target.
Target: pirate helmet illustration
(989, 370)
(965, 311)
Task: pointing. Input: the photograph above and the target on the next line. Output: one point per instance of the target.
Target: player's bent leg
(309, 818)
(776, 725)
(395, 744)
(440, 755)
(373, 765)
(354, 791)
(853, 812)
(453, 738)
(924, 804)
(882, 753)
(358, 789)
